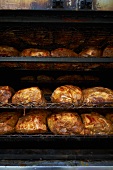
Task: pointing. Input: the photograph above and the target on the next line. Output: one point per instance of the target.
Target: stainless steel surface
(102, 5)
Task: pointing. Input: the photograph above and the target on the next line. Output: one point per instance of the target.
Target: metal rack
(56, 15)
(67, 106)
(57, 59)
(22, 141)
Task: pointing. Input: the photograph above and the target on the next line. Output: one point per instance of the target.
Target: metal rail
(107, 105)
(58, 59)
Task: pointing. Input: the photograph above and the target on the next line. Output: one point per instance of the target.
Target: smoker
(51, 151)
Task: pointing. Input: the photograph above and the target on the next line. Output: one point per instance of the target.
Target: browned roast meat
(29, 95)
(8, 121)
(35, 52)
(63, 52)
(96, 124)
(77, 78)
(97, 95)
(61, 66)
(36, 66)
(6, 93)
(8, 51)
(33, 122)
(96, 39)
(27, 78)
(108, 51)
(109, 116)
(35, 36)
(65, 123)
(91, 52)
(44, 78)
(68, 37)
(90, 77)
(70, 78)
(67, 94)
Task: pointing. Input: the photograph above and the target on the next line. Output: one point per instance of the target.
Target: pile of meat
(67, 94)
(59, 52)
(60, 122)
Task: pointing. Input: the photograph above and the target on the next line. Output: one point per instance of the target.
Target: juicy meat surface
(108, 51)
(8, 51)
(65, 123)
(6, 93)
(109, 116)
(8, 121)
(70, 78)
(33, 122)
(28, 95)
(91, 52)
(35, 52)
(67, 94)
(27, 78)
(97, 95)
(71, 38)
(44, 78)
(95, 123)
(63, 52)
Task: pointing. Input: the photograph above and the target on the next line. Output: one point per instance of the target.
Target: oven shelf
(61, 106)
(44, 141)
(56, 16)
(58, 59)
(51, 141)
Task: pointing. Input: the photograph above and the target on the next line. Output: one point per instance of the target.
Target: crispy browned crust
(44, 78)
(61, 66)
(90, 77)
(63, 52)
(6, 93)
(8, 51)
(29, 95)
(35, 52)
(67, 94)
(70, 78)
(77, 78)
(27, 78)
(33, 122)
(8, 121)
(36, 66)
(109, 116)
(91, 51)
(108, 51)
(95, 123)
(65, 123)
(97, 95)
(68, 38)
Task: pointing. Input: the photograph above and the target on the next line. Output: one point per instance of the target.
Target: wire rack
(50, 105)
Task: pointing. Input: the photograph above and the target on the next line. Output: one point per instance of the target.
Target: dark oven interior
(22, 73)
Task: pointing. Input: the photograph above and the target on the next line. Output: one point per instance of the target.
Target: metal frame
(48, 105)
(56, 15)
(58, 59)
